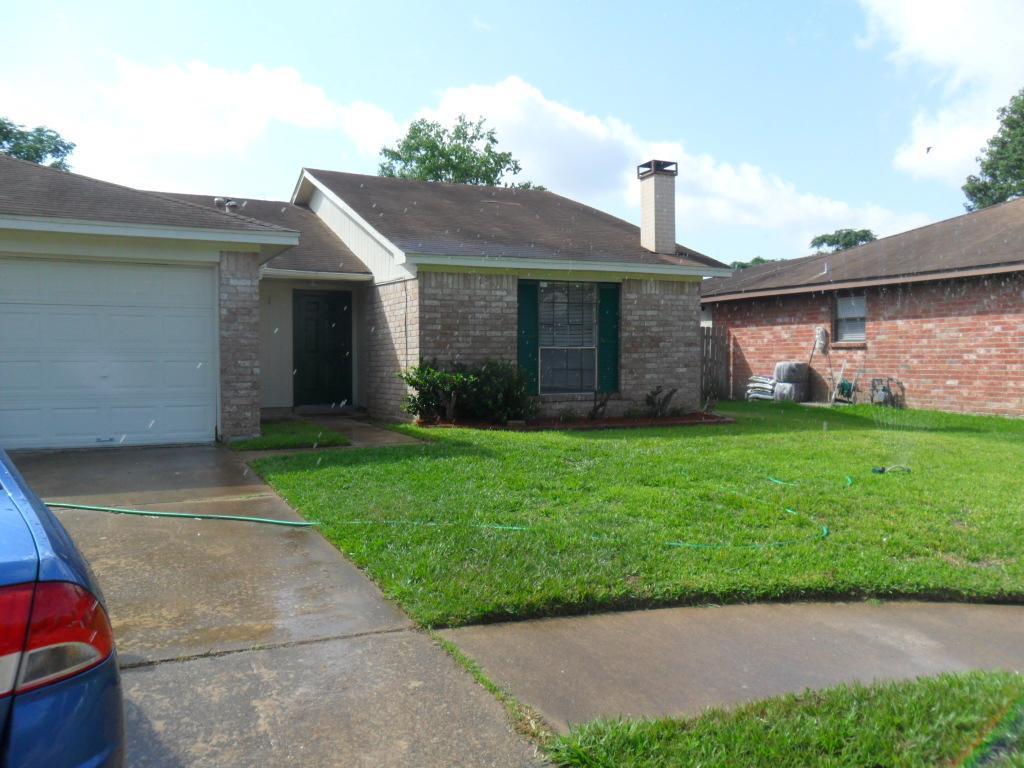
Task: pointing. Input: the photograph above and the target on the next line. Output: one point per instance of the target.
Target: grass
(945, 720)
(291, 433)
(483, 525)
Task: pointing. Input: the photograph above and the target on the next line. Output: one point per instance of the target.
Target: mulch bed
(617, 422)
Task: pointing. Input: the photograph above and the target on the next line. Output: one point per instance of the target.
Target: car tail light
(68, 632)
(15, 608)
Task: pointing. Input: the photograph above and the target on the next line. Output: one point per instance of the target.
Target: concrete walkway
(246, 644)
(679, 661)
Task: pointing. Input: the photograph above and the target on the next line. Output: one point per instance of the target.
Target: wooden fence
(714, 372)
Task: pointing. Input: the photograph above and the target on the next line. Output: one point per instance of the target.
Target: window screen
(568, 337)
(851, 318)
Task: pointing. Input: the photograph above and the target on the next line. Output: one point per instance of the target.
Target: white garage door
(105, 354)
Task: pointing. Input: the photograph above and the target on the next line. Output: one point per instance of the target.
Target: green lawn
(291, 433)
(968, 719)
(485, 525)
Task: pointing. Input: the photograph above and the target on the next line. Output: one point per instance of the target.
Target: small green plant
(568, 415)
(657, 402)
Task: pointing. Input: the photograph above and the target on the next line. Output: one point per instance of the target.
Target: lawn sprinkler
(893, 468)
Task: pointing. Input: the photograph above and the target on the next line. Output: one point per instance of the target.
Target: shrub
(500, 391)
(436, 391)
(493, 391)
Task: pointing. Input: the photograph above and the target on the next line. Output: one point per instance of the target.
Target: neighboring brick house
(135, 317)
(939, 309)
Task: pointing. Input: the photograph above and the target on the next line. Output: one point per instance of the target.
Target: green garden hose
(188, 515)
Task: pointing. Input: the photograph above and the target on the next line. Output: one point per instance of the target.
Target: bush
(494, 391)
(436, 391)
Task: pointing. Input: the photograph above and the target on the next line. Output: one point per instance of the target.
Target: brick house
(132, 317)
(939, 309)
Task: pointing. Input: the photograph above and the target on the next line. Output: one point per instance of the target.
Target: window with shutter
(568, 336)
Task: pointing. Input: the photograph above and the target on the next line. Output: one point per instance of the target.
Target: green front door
(322, 347)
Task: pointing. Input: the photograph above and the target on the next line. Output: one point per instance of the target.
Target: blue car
(60, 691)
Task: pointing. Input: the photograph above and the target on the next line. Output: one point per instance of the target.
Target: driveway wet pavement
(251, 644)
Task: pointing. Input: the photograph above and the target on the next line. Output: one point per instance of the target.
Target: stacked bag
(791, 381)
(760, 388)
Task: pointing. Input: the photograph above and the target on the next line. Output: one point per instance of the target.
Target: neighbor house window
(568, 337)
(851, 318)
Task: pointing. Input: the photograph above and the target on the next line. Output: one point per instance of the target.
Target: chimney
(658, 205)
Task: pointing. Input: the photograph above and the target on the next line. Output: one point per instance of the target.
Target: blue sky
(788, 118)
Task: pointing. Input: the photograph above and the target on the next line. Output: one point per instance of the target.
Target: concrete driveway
(251, 644)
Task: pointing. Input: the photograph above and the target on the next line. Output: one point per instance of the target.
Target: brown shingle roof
(423, 217)
(27, 189)
(989, 238)
(319, 249)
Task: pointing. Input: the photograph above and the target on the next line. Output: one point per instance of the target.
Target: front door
(322, 347)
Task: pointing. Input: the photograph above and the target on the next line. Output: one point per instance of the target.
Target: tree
(752, 263)
(39, 145)
(1001, 161)
(842, 239)
(463, 154)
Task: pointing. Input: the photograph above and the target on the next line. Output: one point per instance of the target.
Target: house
(939, 309)
(130, 317)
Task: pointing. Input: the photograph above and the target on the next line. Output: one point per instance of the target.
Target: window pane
(567, 370)
(851, 330)
(568, 315)
(850, 308)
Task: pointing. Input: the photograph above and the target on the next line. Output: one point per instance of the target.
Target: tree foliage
(39, 145)
(1001, 173)
(843, 239)
(466, 153)
(752, 263)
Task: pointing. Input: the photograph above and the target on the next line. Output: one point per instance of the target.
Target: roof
(319, 249)
(27, 189)
(424, 217)
(989, 240)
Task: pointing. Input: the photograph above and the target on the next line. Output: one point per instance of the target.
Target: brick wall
(659, 341)
(955, 345)
(392, 345)
(239, 345)
(467, 318)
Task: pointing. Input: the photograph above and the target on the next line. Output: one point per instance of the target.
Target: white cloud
(182, 127)
(593, 159)
(974, 49)
(144, 116)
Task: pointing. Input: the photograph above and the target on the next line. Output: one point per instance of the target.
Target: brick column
(239, 345)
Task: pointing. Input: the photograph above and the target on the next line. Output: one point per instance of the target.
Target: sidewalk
(679, 661)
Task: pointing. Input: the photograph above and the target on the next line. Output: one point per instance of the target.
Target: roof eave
(504, 262)
(920, 277)
(273, 241)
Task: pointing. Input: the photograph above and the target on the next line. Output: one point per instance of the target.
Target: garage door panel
(20, 280)
(74, 376)
(97, 354)
(61, 329)
(20, 377)
(22, 328)
(19, 425)
(182, 375)
(185, 330)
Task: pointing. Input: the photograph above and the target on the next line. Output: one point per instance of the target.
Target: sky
(788, 119)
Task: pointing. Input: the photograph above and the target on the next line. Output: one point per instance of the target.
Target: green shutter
(529, 321)
(608, 337)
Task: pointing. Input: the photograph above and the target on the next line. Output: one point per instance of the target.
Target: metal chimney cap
(652, 167)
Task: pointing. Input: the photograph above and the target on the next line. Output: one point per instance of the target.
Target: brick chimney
(658, 205)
